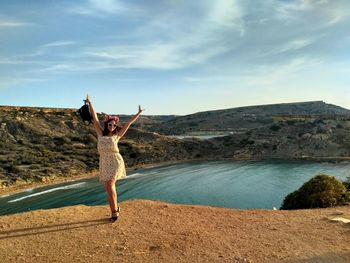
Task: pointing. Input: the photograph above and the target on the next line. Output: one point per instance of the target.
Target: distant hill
(244, 118)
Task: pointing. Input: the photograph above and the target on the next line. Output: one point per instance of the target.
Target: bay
(232, 184)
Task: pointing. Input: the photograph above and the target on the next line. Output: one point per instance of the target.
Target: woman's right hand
(88, 98)
(141, 109)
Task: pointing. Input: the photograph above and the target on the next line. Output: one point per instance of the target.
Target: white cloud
(191, 40)
(59, 68)
(327, 12)
(10, 23)
(18, 61)
(56, 68)
(291, 45)
(40, 51)
(99, 8)
(155, 56)
(171, 37)
(108, 6)
(228, 13)
(267, 75)
(337, 15)
(59, 44)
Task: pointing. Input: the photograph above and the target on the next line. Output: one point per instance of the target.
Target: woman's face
(111, 125)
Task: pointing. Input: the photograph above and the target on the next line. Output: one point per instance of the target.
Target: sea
(230, 184)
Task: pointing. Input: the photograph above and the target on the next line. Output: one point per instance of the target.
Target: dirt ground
(151, 231)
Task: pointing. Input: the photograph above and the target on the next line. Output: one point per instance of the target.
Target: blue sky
(173, 56)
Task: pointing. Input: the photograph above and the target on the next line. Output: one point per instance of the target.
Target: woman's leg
(111, 195)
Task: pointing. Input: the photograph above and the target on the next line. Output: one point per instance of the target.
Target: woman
(111, 164)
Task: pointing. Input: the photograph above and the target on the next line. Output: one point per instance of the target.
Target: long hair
(108, 120)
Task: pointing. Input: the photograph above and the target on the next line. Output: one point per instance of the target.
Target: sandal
(115, 215)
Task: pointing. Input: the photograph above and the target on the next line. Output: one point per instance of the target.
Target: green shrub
(275, 127)
(320, 191)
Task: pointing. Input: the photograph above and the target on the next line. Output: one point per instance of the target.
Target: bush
(319, 192)
(275, 127)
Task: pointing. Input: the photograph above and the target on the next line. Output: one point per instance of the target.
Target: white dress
(111, 163)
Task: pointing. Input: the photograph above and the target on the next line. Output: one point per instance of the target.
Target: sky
(173, 56)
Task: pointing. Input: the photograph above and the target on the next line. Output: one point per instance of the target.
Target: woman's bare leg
(111, 195)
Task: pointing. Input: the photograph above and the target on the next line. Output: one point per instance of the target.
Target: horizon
(173, 57)
(208, 110)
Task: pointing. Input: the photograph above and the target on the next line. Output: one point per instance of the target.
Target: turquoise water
(234, 184)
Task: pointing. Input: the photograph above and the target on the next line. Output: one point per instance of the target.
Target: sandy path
(150, 231)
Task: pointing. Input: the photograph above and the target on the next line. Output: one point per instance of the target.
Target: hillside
(39, 144)
(288, 138)
(244, 118)
(149, 231)
(42, 144)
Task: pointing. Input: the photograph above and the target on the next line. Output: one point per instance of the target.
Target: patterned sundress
(111, 165)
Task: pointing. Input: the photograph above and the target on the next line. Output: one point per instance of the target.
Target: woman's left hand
(141, 109)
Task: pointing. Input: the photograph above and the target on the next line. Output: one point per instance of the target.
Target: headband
(108, 118)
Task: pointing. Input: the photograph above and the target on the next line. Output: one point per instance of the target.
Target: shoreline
(20, 187)
(23, 186)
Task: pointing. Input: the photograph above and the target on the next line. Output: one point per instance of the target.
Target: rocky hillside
(38, 144)
(244, 118)
(287, 138)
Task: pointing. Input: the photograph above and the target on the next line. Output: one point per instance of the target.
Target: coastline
(19, 187)
(16, 188)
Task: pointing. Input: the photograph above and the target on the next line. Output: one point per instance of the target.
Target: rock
(341, 219)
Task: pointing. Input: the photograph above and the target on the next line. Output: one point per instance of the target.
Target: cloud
(289, 46)
(11, 23)
(169, 35)
(40, 51)
(108, 6)
(228, 13)
(167, 42)
(154, 56)
(296, 44)
(56, 68)
(99, 8)
(266, 75)
(59, 44)
(259, 75)
(18, 61)
(327, 12)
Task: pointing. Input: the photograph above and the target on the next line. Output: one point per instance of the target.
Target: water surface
(234, 184)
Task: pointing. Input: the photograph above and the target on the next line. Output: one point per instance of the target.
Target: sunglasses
(112, 125)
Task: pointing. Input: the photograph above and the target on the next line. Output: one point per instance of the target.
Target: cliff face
(39, 143)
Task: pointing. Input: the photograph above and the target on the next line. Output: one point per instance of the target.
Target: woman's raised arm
(131, 121)
(95, 120)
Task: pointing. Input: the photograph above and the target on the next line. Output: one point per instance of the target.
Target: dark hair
(106, 131)
(85, 113)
